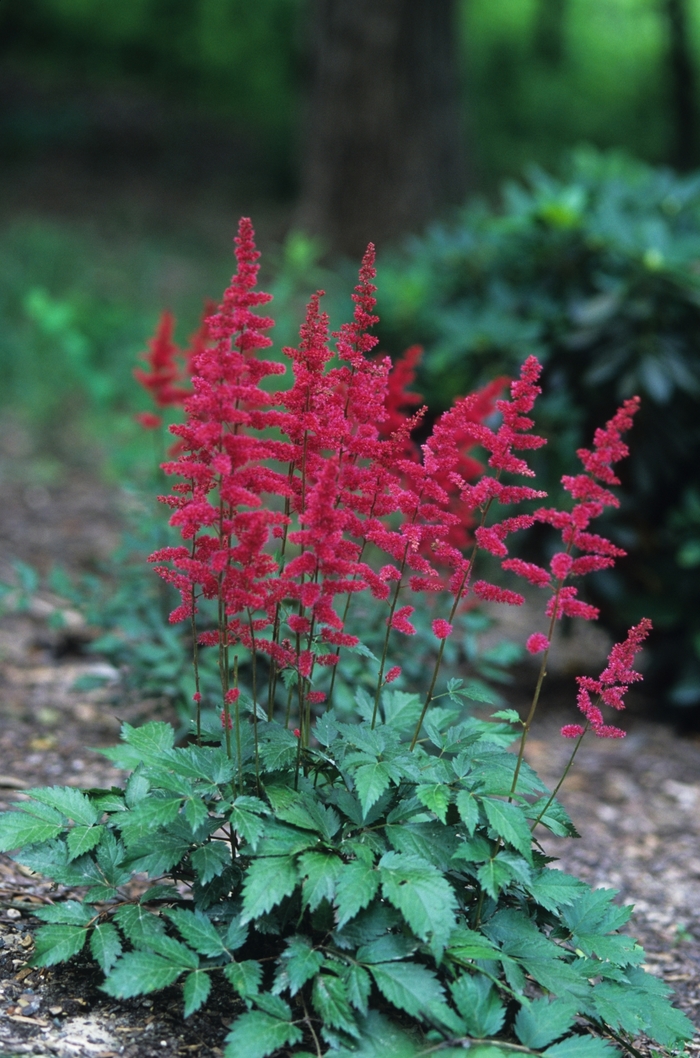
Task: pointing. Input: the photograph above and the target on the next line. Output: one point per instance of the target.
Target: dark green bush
(597, 273)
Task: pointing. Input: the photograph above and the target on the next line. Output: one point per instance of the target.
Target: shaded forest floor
(636, 804)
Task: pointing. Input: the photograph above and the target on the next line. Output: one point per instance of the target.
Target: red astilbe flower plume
(364, 380)
(596, 552)
(443, 461)
(399, 398)
(163, 372)
(610, 687)
(218, 506)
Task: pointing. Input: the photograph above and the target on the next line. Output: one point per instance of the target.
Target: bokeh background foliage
(134, 135)
(534, 76)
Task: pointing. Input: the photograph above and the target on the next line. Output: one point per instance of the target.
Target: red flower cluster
(282, 495)
(596, 551)
(331, 471)
(164, 372)
(611, 686)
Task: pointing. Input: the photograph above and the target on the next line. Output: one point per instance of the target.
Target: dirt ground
(635, 802)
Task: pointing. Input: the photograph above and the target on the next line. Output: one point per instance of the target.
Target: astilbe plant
(362, 885)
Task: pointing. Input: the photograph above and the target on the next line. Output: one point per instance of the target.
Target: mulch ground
(635, 802)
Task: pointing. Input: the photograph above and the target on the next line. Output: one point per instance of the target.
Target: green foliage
(595, 272)
(365, 896)
(545, 74)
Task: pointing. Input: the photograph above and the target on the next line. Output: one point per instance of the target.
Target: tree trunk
(383, 146)
(684, 143)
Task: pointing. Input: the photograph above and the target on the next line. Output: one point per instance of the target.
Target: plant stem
(253, 657)
(239, 753)
(566, 771)
(538, 686)
(307, 1019)
(385, 648)
(441, 649)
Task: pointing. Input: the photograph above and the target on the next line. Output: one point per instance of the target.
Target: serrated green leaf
(520, 938)
(150, 741)
(147, 816)
(198, 930)
(195, 990)
(70, 802)
(105, 945)
(331, 1003)
(299, 962)
(160, 851)
(468, 808)
(365, 705)
(279, 750)
(494, 770)
(68, 912)
(244, 977)
(501, 870)
(614, 948)
(422, 895)
(18, 829)
(210, 860)
(371, 780)
(382, 1038)
(196, 813)
(247, 825)
(466, 943)
(280, 839)
(109, 802)
(510, 715)
(110, 856)
(429, 840)
(663, 1022)
(553, 889)
(435, 797)
(509, 822)
(401, 710)
(139, 972)
(57, 943)
(137, 924)
(173, 950)
(408, 985)
(358, 985)
(81, 839)
(543, 1021)
(201, 762)
(355, 888)
(593, 911)
(475, 850)
(479, 1004)
(163, 779)
(256, 1035)
(320, 871)
(582, 1047)
(303, 811)
(236, 934)
(667, 1025)
(268, 881)
(137, 789)
(386, 948)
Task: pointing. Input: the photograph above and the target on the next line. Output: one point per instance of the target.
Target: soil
(636, 803)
